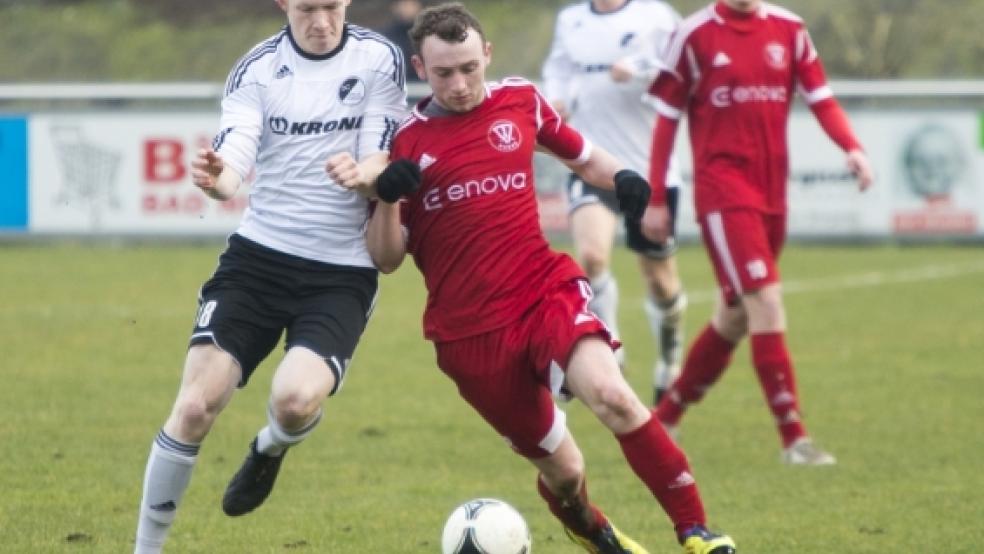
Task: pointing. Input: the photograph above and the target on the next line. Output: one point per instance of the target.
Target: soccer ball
(485, 526)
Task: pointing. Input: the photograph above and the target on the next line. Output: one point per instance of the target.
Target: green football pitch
(888, 343)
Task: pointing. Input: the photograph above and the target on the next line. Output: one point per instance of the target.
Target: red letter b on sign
(163, 161)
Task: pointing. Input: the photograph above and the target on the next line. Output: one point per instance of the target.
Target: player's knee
(618, 406)
(593, 261)
(565, 477)
(194, 415)
(295, 407)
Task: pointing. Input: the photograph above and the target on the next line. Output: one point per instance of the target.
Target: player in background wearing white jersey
(298, 262)
(603, 58)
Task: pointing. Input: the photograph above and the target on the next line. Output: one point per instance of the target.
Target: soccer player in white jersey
(603, 58)
(315, 91)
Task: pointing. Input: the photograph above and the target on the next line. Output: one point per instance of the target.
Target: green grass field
(888, 343)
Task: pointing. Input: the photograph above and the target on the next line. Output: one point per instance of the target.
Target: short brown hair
(449, 22)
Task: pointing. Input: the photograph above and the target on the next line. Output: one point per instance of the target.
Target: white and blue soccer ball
(486, 526)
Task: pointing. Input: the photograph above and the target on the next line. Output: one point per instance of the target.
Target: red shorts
(510, 375)
(744, 246)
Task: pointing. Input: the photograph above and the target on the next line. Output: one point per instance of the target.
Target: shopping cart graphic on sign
(89, 173)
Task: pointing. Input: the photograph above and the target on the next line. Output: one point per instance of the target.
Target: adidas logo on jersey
(720, 60)
(426, 160)
(283, 72)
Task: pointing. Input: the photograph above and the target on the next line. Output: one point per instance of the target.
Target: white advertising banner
(107, 173)
(127, 173)
(929, 167)
(928, 164)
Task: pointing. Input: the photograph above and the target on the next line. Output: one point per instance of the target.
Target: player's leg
(300, 384)
(562, 484)
(593, 377)
(708, 358)
(665, 307)
(228, 341)
(771, 359)
(210, 377)
(593, 223)
(666, 300)
(726, 237)
(326, 324)
(576, 346)
(651, 453)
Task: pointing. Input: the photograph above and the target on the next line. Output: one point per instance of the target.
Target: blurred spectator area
(194, 40)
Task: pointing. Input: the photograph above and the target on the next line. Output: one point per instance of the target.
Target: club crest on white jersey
(352, 92)
(504, 136)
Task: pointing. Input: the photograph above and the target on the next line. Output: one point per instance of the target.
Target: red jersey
(473, 226)
(735, 74)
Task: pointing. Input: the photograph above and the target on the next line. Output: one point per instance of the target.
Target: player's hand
(346, 172)
(655, 224)
(400, 178)
(857, 162)
(206, 168)
(632, 192)
(561, 107)
(622, 71)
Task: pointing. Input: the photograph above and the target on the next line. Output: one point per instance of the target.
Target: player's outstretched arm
(385, 237)
(357, 176)
(209, 173)
(604, 170)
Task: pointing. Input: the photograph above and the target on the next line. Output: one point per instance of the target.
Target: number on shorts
(205, 313)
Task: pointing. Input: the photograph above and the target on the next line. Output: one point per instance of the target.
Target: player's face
(317, 25)
(455, 71)
(744, 5)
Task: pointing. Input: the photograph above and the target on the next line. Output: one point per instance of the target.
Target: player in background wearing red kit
(733, 67)
(508, 316)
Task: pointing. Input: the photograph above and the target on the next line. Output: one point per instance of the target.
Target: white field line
(866, 279)
(862, 280)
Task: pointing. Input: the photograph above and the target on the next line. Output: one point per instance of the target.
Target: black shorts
(581, 193)
(257, 292)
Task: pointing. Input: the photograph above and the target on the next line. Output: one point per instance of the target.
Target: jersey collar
(595, 11)
(725, 13)
(316, 57)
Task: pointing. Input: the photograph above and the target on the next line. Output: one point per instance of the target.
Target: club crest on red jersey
(776, 56)
(504, 135)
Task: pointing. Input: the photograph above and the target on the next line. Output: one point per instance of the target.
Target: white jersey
(619, 117)
(284, 113)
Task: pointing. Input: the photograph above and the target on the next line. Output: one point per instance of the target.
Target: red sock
(576, 513)
(663, 467)
(706, 361)
(775, 373)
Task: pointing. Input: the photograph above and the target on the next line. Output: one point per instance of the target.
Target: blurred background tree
(198, 40)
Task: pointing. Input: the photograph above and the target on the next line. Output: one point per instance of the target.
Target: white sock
(274, 440)
(605, 301)
(666, 324)
(169, 468)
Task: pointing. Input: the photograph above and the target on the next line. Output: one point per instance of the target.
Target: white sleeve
(240, 127)
(558, 68)
(649, 61)
(387, 105)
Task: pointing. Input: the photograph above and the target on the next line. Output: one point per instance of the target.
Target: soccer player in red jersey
(508, 316)
(733, 67)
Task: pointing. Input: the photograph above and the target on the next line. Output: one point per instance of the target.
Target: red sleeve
(557, 136)
(671, 92)
(811, 79)
(834, 122)
(664, 134)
